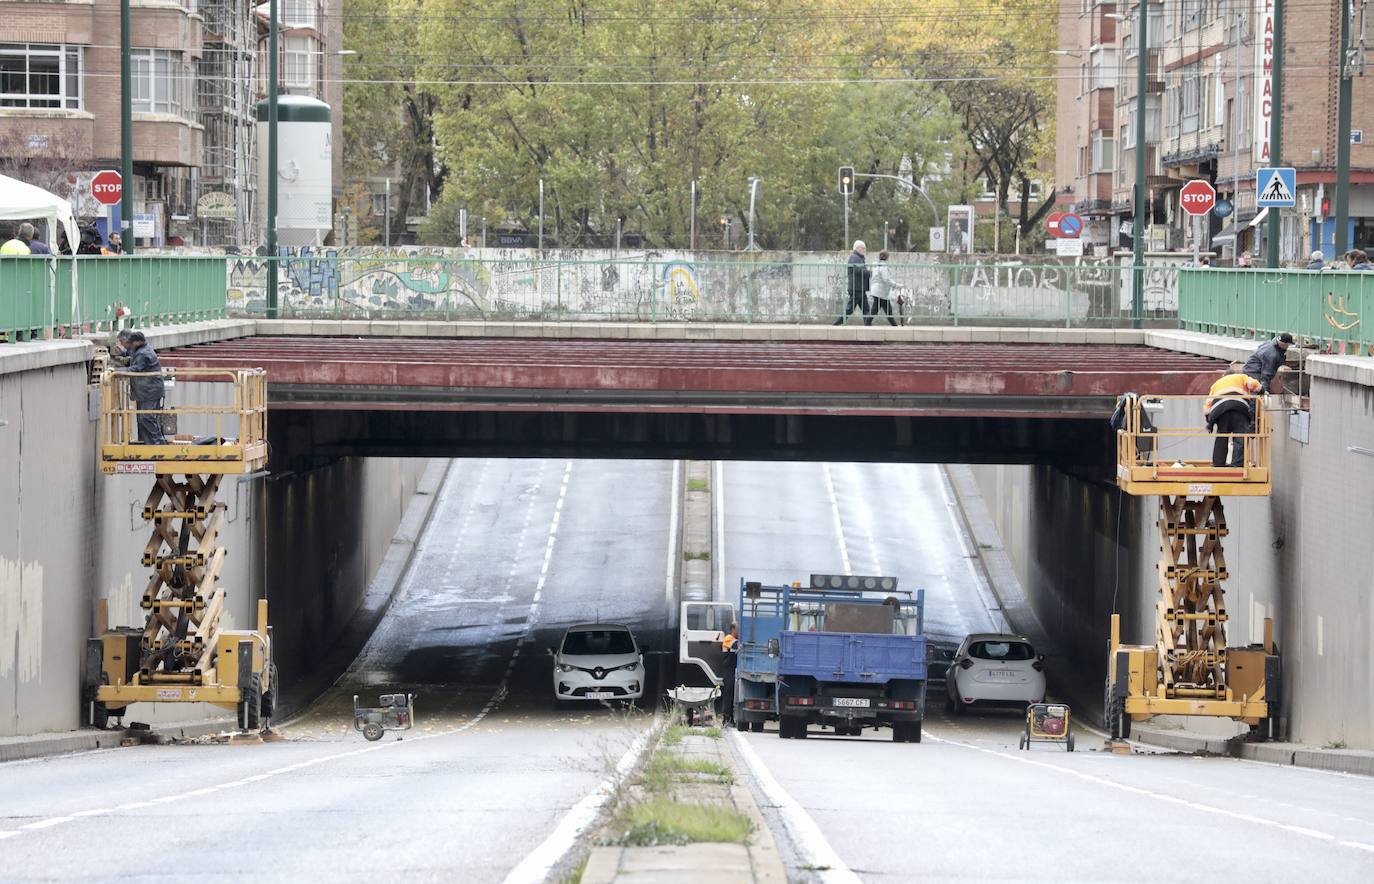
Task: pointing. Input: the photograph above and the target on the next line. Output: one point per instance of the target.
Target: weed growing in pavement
(665, 769)
(696, 557)
(1335, 744)
(672, 735)
(663, 821)
(698, 485)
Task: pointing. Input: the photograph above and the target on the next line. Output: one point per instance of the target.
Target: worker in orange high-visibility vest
(729, 644)
(1231, 416)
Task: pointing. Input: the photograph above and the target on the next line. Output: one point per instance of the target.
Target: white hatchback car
(993, 669)
(598, 661)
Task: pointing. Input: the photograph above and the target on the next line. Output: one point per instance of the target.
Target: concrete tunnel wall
(1304, 556)
(310, 540)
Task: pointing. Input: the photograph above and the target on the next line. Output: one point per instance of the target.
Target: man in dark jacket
(856, 284)
(1264, 363)
(147, 389)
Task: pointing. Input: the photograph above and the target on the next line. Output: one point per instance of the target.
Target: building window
(159, 84)
(38, 75)
(1104, 69)
(1191, 12)
(300, 63)
(1127, 136)
(1104, 152)
(1189, 100)
(299, 14)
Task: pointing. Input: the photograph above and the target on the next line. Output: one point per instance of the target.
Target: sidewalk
(1353, 761)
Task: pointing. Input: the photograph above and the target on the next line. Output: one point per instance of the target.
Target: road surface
(514, 552)
(966, 804)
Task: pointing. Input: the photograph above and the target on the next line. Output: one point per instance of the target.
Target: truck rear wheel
(756, 726)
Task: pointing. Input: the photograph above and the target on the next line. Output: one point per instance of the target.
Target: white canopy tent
(23, 202)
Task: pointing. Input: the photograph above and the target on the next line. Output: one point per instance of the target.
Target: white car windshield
(1001, 651)
(598, 643)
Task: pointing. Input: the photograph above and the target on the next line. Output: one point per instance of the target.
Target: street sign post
(1197, 199)
(1276, 187)
(107, 187)
(1071, 225)
(1052, 223)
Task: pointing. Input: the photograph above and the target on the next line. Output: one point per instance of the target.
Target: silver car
(598, 661)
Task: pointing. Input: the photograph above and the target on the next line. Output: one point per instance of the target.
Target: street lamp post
(126, 134)
(1138, 198)
(753, 195)
(272, 257)
(1272, 233)
(541, 216)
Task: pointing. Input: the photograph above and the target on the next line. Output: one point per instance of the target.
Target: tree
(388, 115)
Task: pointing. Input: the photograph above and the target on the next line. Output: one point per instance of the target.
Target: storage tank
(305, 184)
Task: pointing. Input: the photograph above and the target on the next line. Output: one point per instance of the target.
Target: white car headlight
(564, 667)
(631, 667)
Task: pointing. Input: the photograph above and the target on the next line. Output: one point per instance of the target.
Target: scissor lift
(180, 654)
(1190, 670)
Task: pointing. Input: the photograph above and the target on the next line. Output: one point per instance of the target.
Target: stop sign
(107, 187)
(1197, 197)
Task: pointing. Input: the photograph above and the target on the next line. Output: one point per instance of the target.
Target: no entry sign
(107, 187)
(1197, 197)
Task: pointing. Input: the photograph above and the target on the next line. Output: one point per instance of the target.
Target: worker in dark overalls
(729, 646)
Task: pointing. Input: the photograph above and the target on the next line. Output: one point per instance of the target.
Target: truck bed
(854, 658)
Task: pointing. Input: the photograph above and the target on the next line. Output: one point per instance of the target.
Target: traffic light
(846, 179)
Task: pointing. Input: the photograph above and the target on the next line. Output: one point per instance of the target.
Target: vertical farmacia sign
(1264, 79)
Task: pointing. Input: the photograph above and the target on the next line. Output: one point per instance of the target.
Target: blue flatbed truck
(851, 661)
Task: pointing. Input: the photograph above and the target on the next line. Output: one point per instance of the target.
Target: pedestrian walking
(1317, 261)
(1358, 260)
(1267, 359)
(19, 244)
(1230, 413)
(880, 287)
(856, 284)
(146, 388)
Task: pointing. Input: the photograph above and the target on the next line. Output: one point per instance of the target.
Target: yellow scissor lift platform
(1189, 670)
(180, 654)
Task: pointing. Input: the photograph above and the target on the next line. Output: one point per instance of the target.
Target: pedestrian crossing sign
(1276, 186)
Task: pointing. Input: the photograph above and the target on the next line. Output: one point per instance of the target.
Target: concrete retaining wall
(71, 536)
(1304, 556)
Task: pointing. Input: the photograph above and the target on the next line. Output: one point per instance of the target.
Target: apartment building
(1086, 116)
(194, 68)
(1207, 116)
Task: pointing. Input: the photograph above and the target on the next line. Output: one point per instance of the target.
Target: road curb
(68, 742)
(1349, 761)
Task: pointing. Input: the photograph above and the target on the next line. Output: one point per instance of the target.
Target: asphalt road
(515, 551)
(966, 804)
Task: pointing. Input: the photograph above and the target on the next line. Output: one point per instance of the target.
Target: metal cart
(397, 712)
(1048, 723)
(695, 705)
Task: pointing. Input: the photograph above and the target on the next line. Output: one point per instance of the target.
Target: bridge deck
(462, 374)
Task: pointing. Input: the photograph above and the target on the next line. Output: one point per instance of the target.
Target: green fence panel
(24, 296)
(157, 290)
(1328, 308)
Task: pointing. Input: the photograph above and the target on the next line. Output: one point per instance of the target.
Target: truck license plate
(599, 695)
(851, 701)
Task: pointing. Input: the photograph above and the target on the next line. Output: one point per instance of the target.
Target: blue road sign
(1070, 225)
(1223, 209)
(1276, 187)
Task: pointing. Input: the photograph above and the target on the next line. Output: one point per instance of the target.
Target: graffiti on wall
(426, 282)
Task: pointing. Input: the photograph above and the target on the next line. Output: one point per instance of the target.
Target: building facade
(1208, 112)
(195, 77)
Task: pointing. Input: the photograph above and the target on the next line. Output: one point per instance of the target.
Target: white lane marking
(43, 824)
(835, 512)
(1358, 845)
(674, 502)
(813, 849)
(718, 497)
(535, 867)
(1146, 793)
(991, 604)
(4, 835)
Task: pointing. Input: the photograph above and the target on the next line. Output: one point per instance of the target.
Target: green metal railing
(655, 290)
(1327, 308)
(36, 293)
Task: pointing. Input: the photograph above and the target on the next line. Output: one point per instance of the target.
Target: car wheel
(959, 707)
(1069, 743)
(372, 731)
(1021, 743)
(949, 704)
